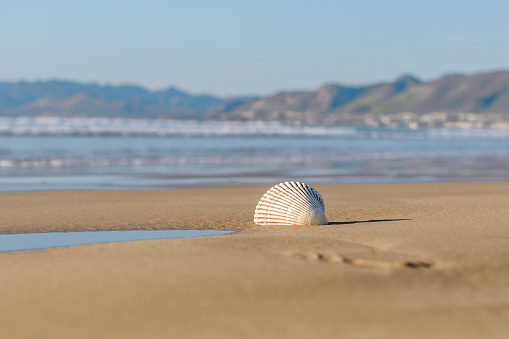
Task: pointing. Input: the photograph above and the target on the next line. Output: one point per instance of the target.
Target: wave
(477, 133)
(159, 127)
(78, 162)
(200, 163)
(62, 126)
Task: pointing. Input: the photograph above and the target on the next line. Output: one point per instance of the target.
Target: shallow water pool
(32, 241)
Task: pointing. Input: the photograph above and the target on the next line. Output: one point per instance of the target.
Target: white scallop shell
(291, 203)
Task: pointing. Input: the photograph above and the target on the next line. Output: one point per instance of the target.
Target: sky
(227, 47)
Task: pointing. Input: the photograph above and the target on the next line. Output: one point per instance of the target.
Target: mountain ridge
(481, 94)
(482, 97)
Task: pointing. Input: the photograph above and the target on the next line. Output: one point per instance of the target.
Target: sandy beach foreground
(397, 261)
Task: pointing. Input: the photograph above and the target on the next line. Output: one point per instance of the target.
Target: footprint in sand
(336, 258)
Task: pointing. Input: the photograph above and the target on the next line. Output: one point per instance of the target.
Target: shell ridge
(275, 208)
(283, 196)
(317, 198)
(305, 196)
(298, 191)
(280, 209)
(290, 203)
(317, 201)
(280, 212)
(280, 200)
(306, 191)
(302, 190)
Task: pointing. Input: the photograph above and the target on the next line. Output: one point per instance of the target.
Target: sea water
(116, 154)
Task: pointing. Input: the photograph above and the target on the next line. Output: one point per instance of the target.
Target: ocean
(51, 153)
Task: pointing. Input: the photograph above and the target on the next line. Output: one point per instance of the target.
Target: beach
(396, 261)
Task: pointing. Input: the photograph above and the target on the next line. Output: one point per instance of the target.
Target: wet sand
(397, 261)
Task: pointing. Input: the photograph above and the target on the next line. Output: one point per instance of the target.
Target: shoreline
(55, 125)
(396, 261)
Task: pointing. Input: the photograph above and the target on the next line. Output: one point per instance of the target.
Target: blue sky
(249, 47)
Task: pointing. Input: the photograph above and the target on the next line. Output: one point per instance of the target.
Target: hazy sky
(249, 47)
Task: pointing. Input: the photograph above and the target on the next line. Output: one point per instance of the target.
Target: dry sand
(398, 261)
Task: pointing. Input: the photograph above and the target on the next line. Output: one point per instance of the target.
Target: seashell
(291, 203)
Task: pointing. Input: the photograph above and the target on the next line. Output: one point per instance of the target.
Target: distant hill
(483, 93)
(65, 98)
(478, 99)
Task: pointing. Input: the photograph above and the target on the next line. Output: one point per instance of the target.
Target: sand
(397, 261)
